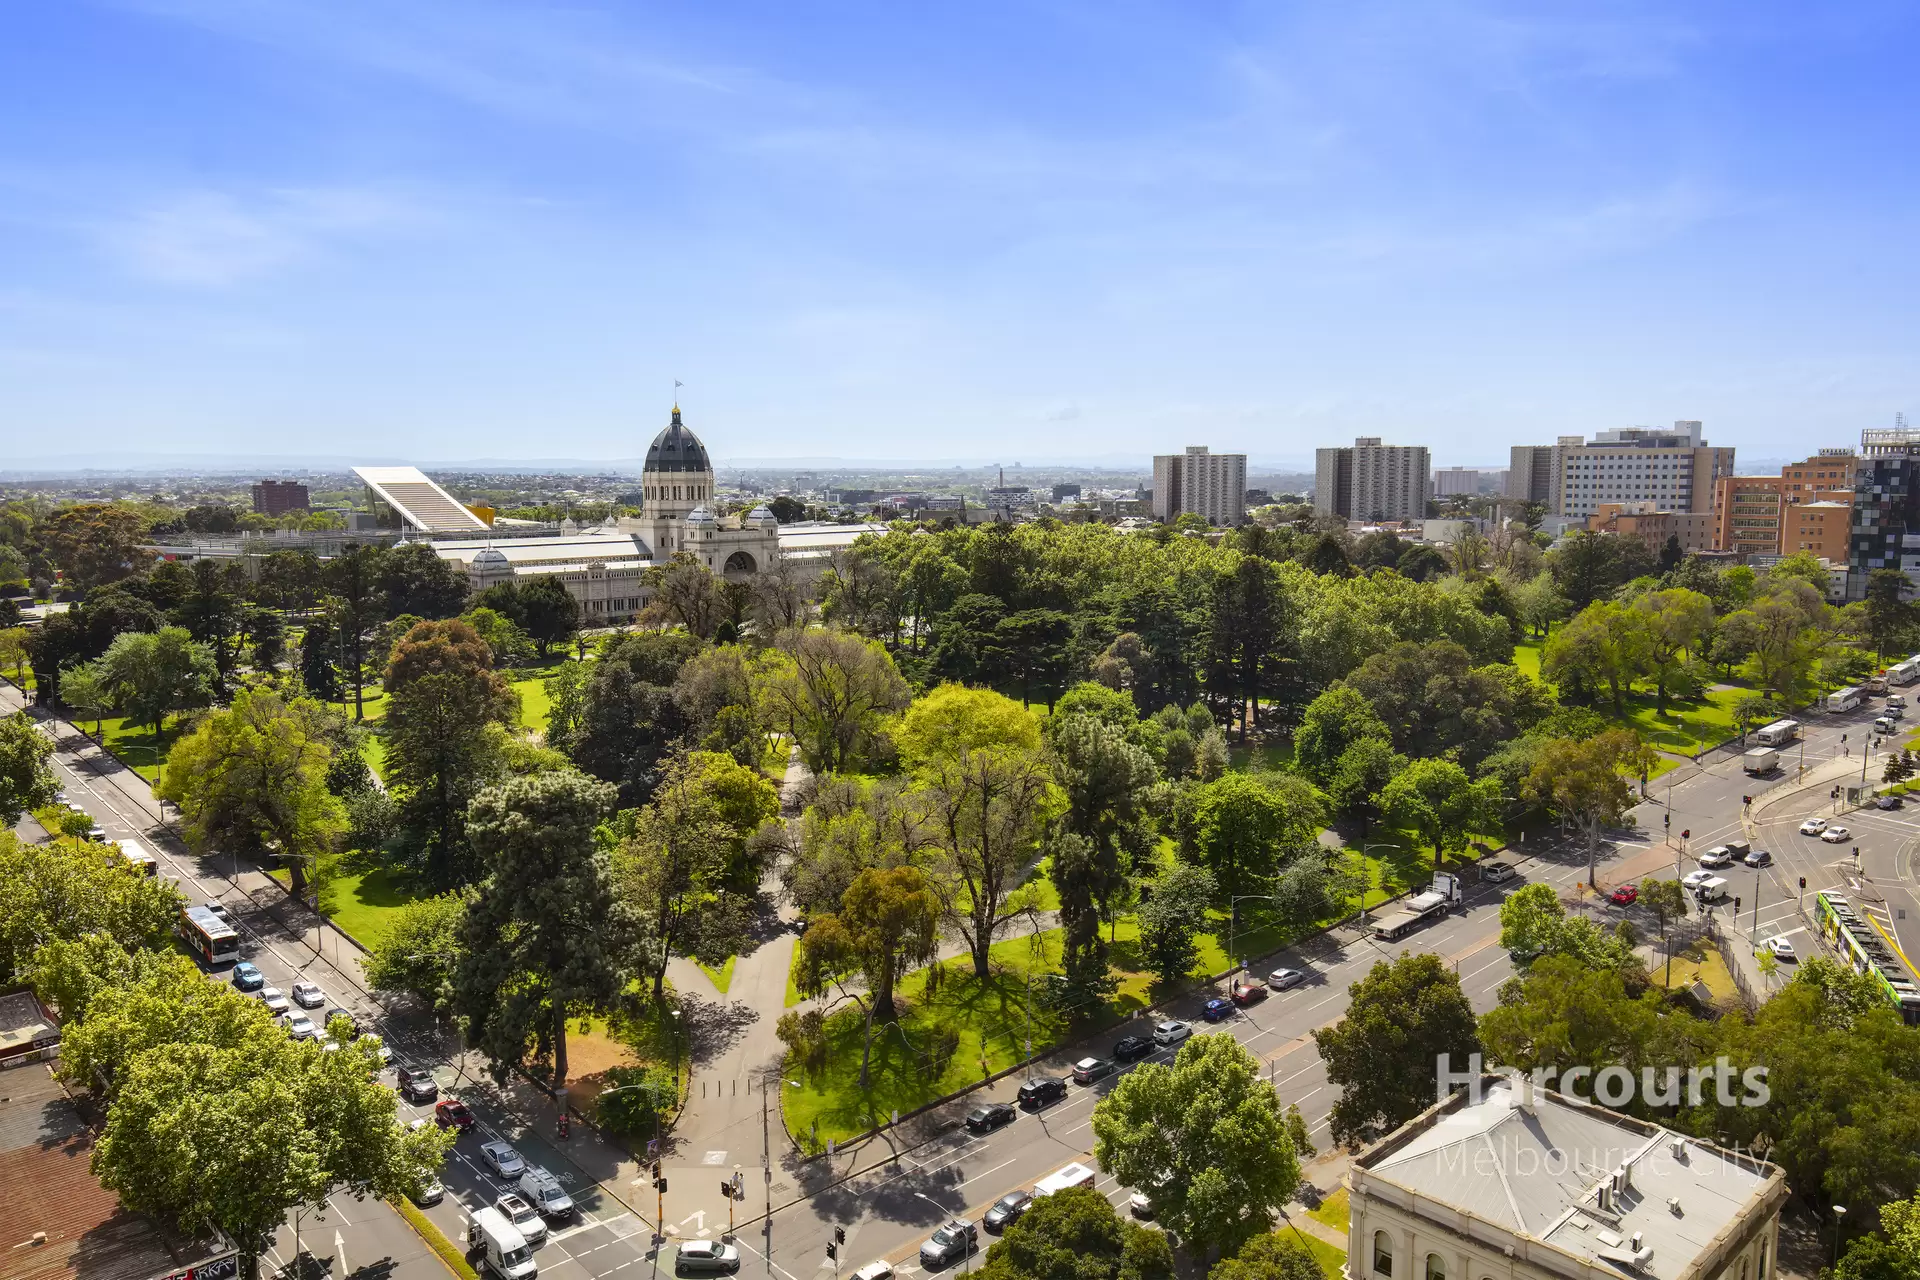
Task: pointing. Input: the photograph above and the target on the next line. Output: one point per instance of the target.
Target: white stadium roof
(418, 501)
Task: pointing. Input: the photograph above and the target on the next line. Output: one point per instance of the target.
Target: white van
(1074, 1175)
(1760, 760)
(1712, 889)
(503, 1250)
(1777, 734)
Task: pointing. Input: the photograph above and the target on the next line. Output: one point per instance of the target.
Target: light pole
(1233, 921)
(966, 1245)
(1839, 1213)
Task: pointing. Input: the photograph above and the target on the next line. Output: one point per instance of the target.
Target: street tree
(1277, 1255)
(253, 777)
(1530, 920)
(83, 688)
(148, 675)
(1205, 1139)
(1076, 1234)
(26, 780)
(418, 953)
(1667, 900)
(888, 920)
(830, 691)
(1580, 781)
(69, 889)
(1172, 918)
(1892, 1253)
(13, 651)
(1439, 802)
(1401, 1018)
(545, 940)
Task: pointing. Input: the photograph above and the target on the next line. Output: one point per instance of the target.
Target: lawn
(535, 705)
(137, 745)
(1685, 727)
(793, 990)
(1332, 1261)
(362, 903)
(1332, 1211)
(1699, 963)
(723, 976)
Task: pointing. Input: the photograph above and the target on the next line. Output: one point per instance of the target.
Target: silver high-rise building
(1212, 486)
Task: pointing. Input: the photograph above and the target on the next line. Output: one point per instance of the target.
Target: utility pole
(766, 1179)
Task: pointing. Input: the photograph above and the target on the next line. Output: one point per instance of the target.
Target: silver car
(275, 999)
(503, 1159)
(1281, 979)
(697, 1256)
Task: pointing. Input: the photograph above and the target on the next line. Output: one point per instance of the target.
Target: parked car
(502, 1159)
(949, 1244)
(706, 1256)
(990, 1117)
(418, 1087)
(1782, 949)
(1170, 1032)
(248, 978)
(1836, 835)
(1624, 895)
(429, 1192)
(308, 996)
(299, 1026)
(1495, 872)
(353, 1024)
(1249, 993)
(275, 1000)
(1284, 979)
(1217, 1009)
(1139, 1206)
(1813, 826)
(451, 1113)
(1718, 856)
(524, 1217)
(1131, 1048)
(1040, 1091)
(1757, 858)
(1888, 802)
(545, 1193)
(1006, 1211)
(1087, 1070)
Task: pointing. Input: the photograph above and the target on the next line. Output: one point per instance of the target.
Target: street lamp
(1839, 1212)
(966, 1246)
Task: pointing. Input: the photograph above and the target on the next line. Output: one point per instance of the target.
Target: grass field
(1332, 1211)
(137, 745)
(362, 903)
(1685, 728)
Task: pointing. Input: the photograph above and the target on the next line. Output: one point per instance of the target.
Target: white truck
(1846, 699)
(1712, 889)
(1074, 1175)
(1777, 734)
(503, 1250)
(1761, 760)
(1445, 891)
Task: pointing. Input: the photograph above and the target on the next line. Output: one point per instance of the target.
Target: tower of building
(676, 478)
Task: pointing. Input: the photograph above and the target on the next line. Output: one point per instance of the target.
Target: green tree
(1332, 723)
(1172, 918)
(317, 670)
(1401, 1018)
(1106, 780)
(355, 607)
(418, 953)
(1439, 802)
(1037, 644)
(1530, 920)
(888, 920)
(95, 543)
(1243, 824)
(65, 890)
(1539, 603)
(413, 579)
(1434, 700)
(1675, 623)
(1205, 1139)
(13, 651)
(1361, 776)
(984, 812)
(214, 614)
(1605, 645)
(254, 777)
(1580, 781)
(150, 674)
(1076, 1235)
(685, 593)
(951, 718)
(545, 938)
(1890, 613)
(510, 645)
(1667, 900)
(566, 692)
(1893, 1253)
(830, 692)
(550, 614)
(26, 781)
(1278, 1255)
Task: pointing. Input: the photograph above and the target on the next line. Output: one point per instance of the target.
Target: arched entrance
(740, 562)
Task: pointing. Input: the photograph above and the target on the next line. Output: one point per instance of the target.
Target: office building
(1524, 1184)
(1373, 481)
(1212, 486)
(1654, 526)
(1534, 472)
(1673, 469)
(1460, 482)
(277, 497)
(1885, 527)
(1763, 515)
(1747, 514)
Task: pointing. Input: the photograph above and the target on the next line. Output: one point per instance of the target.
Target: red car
(451, 1113)
(1625, 895)
(1249, 993)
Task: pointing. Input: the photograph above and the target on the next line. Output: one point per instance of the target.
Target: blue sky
(996, 232)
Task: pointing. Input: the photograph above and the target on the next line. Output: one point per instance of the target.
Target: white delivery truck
(1761, 760)
(1846, 699)
(1777, 734)
(1711, 890)
(1445, 891)
(138, 858)
(503, 1250)
(1074, 1175)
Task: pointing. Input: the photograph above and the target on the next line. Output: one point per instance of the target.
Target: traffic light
(1746, 800)
(839, 1235)
(656, 1171)
(1666, 820)
(1736, 906)
(726, 1187)
(1687, 834)
(833, 1252)
(1803, 884)
(661, 1186)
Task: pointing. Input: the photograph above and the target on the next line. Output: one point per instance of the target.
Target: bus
(138, 859)
(1864, 950)
(1777, 734)
(209, 937)
(1845, 699)
(1903, 673)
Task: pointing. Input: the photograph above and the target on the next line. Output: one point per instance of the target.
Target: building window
(1437, 1270)
(1760, 1272)
(1382, 1253)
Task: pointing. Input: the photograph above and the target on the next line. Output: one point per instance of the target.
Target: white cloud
(217, 238)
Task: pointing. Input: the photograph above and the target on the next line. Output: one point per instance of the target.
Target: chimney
(1526, 1093)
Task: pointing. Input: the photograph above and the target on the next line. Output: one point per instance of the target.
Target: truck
(1073, 1175)
(1713, 889)
(1445, 892)
(1846, 699)
(1777, 734)
(1876, 684)
(1761, 760)
(502, 1249)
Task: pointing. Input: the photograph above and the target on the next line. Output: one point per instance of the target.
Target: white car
(1694, 879)
(1813, 826)
(1718, 856)
(1836, 835)
(503, 1159)
(275, 1000)
(308, 996)
(299, 1026)
(706, 1255)
(874, 1271)
(1783, 950)
(524, 1217)
(1170, 1032)
(1281, 979)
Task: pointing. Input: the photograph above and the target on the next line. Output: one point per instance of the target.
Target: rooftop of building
(676, 449)
(419, 501)
(1606, 1189)
(595, 544)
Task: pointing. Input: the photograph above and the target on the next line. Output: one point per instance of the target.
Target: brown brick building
(1760, 515)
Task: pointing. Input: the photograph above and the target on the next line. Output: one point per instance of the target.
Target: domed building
(676, 513)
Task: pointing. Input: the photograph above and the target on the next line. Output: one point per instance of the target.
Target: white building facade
(1198, 482)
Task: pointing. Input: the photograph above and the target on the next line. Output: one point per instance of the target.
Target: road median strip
(443, 1248)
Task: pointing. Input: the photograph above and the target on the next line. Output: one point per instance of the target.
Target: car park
(1757, 858)
(417, 1086)
(299, 1026)
(1624, 895)
(1217, 1009)
(1284, 979)
(1718, 856)
(990, 1117)
(949, 1244)
(1836, 835)
(1247, 993)
(1087, 1070)
(1170, 1032)
(1131, 1048)
(545, 1193)
(308, 996)
(1495, 872)
(502, 1159)
(1006, 1211)
(274, 999)
(1040, 1091)
(1782, 949)
(1813, 826)
(706, 1256)
(1888, 802)
(247, 978)
(524, 1217)
(451, 1113)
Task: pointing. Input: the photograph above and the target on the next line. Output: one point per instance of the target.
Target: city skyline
(439, 232)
